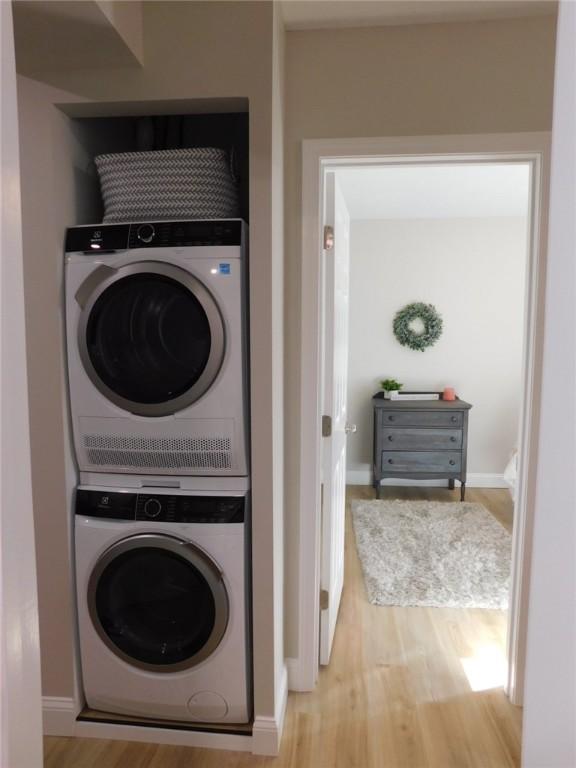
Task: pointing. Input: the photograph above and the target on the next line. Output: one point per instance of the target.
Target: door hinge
(324, 599)
(328, 238)
(326, 426)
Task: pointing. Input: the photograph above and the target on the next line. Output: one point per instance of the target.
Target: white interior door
(334, 428)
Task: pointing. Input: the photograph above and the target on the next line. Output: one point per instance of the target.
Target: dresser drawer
(421, 461)
(411, 438)
(421, 418)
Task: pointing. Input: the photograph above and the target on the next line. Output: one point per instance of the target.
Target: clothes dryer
(156, 319)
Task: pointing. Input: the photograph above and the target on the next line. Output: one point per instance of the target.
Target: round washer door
(158, 602)
(151, 336)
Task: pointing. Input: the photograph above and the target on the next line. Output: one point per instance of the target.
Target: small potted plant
(391, 387)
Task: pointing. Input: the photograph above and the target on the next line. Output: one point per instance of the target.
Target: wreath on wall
(418, 338)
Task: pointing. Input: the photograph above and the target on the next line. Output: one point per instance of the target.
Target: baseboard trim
(173, 736)
(58, 715)
(267, 731)
(473, 480)
(59, 719)
(485, 480)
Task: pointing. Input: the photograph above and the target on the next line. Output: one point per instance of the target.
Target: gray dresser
(420, 440)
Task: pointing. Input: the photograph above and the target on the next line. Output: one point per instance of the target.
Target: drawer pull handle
(452, 462)
(454, 418)
(452, 439)
(390, 418)
(390, 438)
(390, 461)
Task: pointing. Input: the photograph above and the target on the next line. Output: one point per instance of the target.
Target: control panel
(160, 508)
(104, 238)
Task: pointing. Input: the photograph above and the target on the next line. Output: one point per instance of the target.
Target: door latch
(326, 426)
(328, 238)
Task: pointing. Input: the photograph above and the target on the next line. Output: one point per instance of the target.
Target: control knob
(152, 508)
(145, 233)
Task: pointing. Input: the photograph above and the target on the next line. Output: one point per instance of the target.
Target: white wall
(54, 193)
(473, 272)
(549, 739)
(277, 328)
(21, 725)
(412, 80)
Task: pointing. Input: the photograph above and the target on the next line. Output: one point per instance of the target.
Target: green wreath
(407, 336)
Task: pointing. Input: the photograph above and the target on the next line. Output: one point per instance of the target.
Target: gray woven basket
(192, 183)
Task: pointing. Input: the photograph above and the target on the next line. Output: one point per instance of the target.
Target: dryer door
(151, 336)
(158, 602)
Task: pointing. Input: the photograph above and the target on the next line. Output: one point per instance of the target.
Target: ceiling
(324, 14)
(436, 191)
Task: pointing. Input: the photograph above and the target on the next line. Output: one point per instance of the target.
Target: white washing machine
(163, 608)
(156, 319)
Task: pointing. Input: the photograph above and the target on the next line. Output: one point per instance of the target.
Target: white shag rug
(432, 554)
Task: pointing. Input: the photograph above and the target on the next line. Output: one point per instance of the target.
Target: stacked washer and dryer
(158, 376)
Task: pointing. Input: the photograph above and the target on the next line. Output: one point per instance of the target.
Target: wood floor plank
(395, 695)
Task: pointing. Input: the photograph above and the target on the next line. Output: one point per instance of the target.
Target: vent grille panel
(159, 453)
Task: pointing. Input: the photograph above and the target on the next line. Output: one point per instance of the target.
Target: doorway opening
(449, 241)
(522, 161)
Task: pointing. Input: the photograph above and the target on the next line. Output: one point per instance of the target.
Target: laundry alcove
(89, 130)
(209, 62)
(148, 133)
(145, 126)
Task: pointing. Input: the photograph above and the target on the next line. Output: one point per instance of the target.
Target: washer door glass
(158, 602)
(151, 342)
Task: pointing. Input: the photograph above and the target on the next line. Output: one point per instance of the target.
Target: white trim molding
(267, 731)
(150, 735)
(319, 156)
(58, 715)
(473, 480)
(60, 719)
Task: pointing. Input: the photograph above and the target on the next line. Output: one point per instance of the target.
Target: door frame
(318, 156)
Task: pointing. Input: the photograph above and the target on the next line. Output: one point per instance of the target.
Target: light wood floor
(395, 694)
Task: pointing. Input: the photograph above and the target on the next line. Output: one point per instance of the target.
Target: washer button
(152, 508)
(145, 233)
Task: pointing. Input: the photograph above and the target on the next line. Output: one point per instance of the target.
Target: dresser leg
(451, 484)
(462, 491)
